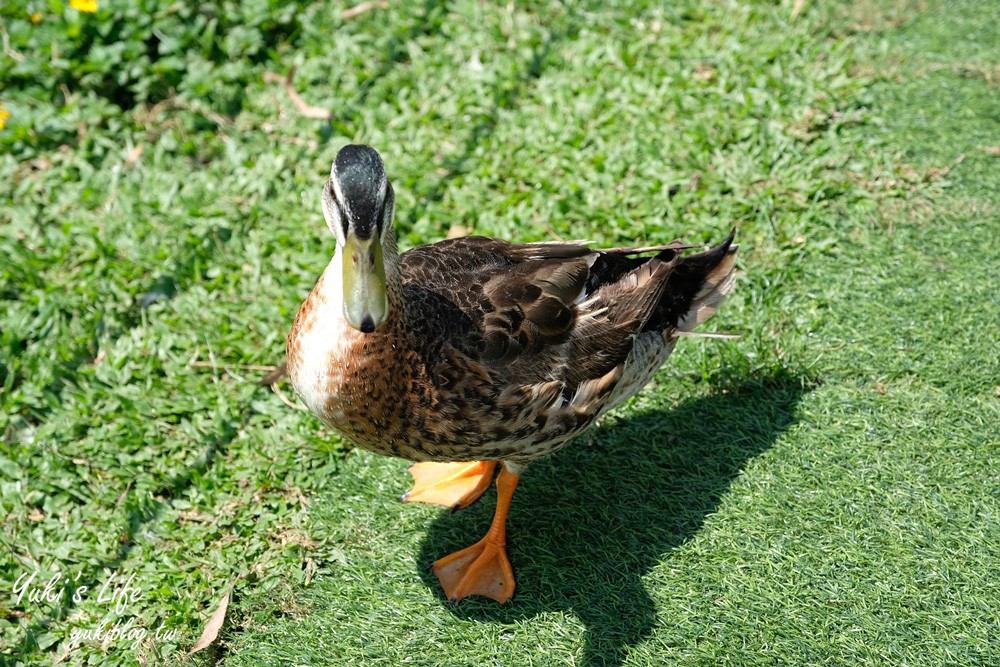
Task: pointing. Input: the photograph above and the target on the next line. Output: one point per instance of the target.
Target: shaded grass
(658, 474)
(725, 516)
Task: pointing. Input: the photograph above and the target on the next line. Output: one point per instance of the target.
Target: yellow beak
(366, 303)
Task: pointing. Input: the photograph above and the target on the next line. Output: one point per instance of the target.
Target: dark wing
(542, 312)
(491, 299)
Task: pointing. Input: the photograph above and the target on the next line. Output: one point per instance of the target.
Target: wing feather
(554, 311)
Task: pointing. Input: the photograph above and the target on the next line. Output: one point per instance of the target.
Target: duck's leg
(483, 568)
(455, 485)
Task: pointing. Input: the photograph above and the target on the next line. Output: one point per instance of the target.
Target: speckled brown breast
(393, 401)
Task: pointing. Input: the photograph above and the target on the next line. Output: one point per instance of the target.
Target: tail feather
(697, 287)
(719, 282)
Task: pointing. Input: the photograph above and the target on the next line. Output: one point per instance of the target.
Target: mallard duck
(474, 353)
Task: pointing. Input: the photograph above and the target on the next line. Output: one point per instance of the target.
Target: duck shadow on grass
(588, 523)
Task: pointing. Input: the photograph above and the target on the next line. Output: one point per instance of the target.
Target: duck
(475, 355)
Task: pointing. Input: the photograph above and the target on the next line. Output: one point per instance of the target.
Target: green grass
(822, 491)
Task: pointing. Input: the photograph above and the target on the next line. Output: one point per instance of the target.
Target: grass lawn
(824, 490)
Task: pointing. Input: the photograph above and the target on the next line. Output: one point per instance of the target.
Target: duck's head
(358, 205)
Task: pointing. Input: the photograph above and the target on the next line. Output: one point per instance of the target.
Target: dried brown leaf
(305, 109)
(797, 8)
(211, 631)
(361, 8)
(134, 155)
(458, 231)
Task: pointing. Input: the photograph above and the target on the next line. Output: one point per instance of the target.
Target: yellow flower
(4, 115)
(36, 18)
(84, 5)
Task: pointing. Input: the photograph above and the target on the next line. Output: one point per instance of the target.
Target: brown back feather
(556, 311)
(532, 306)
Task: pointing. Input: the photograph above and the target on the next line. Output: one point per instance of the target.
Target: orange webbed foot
(482, 569)
(455, 485)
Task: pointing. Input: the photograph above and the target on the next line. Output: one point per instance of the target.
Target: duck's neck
(323, 348)
(393, 273)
